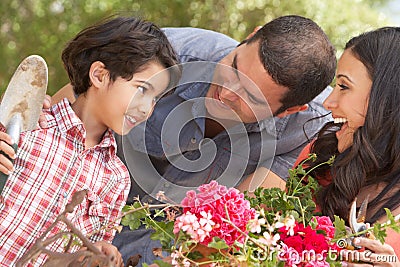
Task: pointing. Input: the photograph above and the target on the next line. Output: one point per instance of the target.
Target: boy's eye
(342, 86)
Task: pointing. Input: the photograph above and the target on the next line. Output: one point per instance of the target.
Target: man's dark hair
(297, 54)
(124, 44)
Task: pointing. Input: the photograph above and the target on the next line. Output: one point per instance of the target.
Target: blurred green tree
(44, 26)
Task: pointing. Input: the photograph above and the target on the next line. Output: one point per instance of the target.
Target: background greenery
(44, 26)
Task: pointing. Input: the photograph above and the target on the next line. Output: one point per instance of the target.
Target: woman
(365, 137)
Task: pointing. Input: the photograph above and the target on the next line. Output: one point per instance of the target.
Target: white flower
(289, 222)
(255, 224)
(269, 240)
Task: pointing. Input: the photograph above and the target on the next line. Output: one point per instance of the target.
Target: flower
(219, 226)
(218, 212)
(289, 223)
(269, 239)
(255, 224)
(325, 224)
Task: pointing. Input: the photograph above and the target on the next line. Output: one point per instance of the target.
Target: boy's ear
(254, 32)
(98, 74)
(292, 110)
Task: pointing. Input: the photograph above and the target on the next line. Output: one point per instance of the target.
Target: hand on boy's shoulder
(6, 153)
(65, 92)
(42, 123)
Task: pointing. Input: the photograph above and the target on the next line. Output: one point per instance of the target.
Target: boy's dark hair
(297, 54)
(124, 44)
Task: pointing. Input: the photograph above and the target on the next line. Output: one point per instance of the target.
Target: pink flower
(289, 255)
(324, 223)
(197, 228)
(317, 263)
(223, 207)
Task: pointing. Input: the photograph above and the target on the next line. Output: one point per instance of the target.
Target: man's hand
(42, 117)
(7, 151)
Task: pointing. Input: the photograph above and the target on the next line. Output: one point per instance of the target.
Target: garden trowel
(22, 102)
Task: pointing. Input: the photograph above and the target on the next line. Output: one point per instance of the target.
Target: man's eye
(252, 98)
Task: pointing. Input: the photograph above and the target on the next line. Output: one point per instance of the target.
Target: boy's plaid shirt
(51, 165)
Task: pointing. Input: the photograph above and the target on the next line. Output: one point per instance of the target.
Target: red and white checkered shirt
(52, 163)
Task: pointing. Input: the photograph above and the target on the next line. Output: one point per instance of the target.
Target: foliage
(217, 226)
(44, 26)
(234, 229)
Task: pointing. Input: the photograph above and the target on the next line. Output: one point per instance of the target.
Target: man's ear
(254, 32)
(98, 74)
(292, 110)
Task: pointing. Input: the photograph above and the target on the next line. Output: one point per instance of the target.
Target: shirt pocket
(91, 214)
(97, 207)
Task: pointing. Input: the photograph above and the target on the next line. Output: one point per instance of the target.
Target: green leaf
(218, 243)
(195, 255)
(131, 221)
(379, 232)
(164, 232)
(161, 263)
(340, 228)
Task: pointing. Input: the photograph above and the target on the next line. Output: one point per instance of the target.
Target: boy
(109, 66)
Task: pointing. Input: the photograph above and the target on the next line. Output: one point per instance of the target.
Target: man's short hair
(297, 54)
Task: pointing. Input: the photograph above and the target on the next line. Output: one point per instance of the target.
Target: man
(217, 124)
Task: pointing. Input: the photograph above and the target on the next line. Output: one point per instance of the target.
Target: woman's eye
(142, 89)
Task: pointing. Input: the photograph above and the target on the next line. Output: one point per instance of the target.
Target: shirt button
(166, 185)
(65, 194)
(193, 140)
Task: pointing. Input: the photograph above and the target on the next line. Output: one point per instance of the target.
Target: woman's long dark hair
(374, 157)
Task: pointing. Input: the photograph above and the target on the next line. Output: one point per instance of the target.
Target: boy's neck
(94, 129)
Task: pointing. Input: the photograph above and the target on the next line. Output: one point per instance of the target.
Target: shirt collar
(67, 121)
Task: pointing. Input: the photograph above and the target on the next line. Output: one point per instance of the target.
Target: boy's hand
(6, 150)
(110, 250)
(42, 118)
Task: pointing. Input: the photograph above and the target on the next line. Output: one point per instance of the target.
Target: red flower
(295, 242)
(316, 242)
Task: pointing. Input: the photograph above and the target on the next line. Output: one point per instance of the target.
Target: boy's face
(242, 90)
(128, 103)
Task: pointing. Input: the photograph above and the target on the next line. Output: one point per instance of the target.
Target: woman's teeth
(219, 98)
(131, 119)
(339, 120)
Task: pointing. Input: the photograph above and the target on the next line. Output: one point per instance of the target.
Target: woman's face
(349, 99)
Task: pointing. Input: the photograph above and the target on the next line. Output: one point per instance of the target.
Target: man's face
(242, 90)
